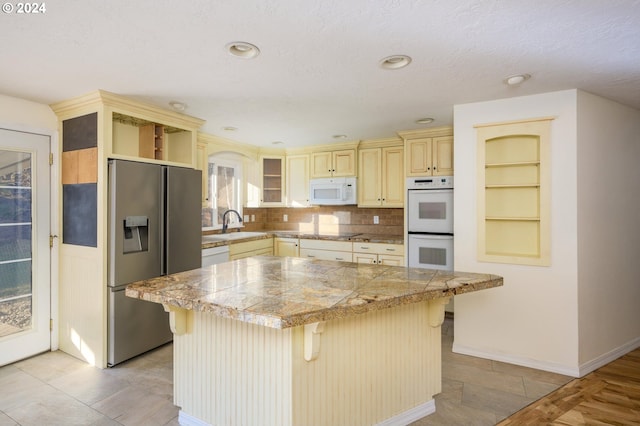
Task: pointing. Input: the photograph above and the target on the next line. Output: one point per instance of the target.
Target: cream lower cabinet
(381, 177)
(251, 248)
(327, 250)
(379, 253)
(286, 247)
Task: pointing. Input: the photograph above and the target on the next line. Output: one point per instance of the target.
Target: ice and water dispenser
(136, 234)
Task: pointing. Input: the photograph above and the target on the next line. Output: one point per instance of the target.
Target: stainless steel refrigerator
(154, 229)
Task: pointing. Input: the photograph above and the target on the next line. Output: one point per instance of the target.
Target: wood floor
(608, 396)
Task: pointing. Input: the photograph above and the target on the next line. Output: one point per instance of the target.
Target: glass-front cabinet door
(272, 181)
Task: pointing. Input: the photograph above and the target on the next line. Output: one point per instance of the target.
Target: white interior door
(25, 277)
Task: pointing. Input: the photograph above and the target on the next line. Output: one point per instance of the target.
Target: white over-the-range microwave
(332, 191)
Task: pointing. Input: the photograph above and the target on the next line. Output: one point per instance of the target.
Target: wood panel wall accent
(79, 180)
(80, 132)
(80, 214)
(80, 166)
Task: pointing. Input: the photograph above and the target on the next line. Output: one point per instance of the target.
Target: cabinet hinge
(50, 324)
(51, 158)
(51, 237)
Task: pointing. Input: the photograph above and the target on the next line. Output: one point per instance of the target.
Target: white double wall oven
(430, 222)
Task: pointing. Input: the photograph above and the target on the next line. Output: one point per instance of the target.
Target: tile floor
(480, 392)
(57, 389)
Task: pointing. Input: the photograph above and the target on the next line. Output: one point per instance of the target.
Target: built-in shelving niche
(139, 138)
(513, 192)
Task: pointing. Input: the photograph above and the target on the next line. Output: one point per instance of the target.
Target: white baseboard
(510, 359)
(605, 359)
(401, 419)
(580, 371)
(186, 420)
(411, 415)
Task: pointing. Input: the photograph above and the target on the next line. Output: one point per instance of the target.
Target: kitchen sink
(231, 236)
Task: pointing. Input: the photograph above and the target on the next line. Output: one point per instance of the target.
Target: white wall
(19, 114)
(608, 228)
(533, 319)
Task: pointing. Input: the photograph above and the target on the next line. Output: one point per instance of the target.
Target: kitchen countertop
(355, 237)
(282, 292)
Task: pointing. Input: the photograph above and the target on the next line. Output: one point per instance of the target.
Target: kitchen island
(290, 341)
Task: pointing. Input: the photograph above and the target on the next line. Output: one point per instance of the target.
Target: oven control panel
(430, 182)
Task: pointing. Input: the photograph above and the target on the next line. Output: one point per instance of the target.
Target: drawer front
(246, 246)
(369, 258)
(379, 248)
(326, 245)
(326, 255)
(268, 251)
(390, 260)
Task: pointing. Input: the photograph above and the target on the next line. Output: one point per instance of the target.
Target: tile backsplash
(327, 219)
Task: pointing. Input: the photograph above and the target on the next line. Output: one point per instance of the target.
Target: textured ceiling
(318, 73)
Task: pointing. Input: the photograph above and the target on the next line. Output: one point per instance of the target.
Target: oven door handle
(430, 191)
(431, 237)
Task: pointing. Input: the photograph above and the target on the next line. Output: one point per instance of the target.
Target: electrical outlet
(253, 218)
(246, 218)
(285, 218)
(376, 220)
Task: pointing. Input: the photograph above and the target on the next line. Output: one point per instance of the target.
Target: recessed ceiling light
(395, 62)
(514, 80)
(425, 120)
(339, 136)
(242, 49)
(229, 129)
(178, 106)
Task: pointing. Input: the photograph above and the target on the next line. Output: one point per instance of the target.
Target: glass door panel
(25, 276)
(15, 242)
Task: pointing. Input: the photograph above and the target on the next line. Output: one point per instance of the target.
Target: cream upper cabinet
(333, 163)
(429, 152)
(141, 135)
(297, 172)
(381, 177)
(430, 156)
(273, 172)
(202, 164)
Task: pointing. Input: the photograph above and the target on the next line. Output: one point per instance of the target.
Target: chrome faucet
(225, 225)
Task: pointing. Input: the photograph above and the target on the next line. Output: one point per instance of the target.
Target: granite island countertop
(283, 292)
(354, 237)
